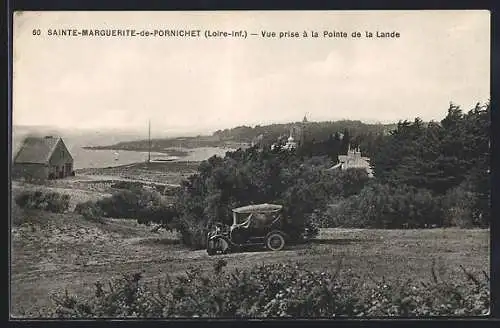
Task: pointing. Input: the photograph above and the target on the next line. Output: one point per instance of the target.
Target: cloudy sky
(199, 84)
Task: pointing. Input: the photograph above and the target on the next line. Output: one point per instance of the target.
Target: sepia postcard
(250, 164)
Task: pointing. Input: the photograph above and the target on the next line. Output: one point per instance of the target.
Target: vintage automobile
(253, 225)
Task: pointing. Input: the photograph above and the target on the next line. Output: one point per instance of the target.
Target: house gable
(60, 154)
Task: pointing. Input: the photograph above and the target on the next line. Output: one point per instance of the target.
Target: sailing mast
(149, 141)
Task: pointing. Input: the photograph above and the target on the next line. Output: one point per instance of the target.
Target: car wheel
(275, 241)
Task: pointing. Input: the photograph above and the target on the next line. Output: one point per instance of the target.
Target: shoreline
(140, 155)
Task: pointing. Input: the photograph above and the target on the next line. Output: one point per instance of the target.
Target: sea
(93, 158)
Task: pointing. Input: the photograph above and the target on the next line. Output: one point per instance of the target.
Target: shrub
(162, 214)
(142, 205)
(127, 203)
(193, 232)
(56, 202)
(458, 205)
(388, 206)
(43, 200)
(385, 206)
(90, 211)
(277, 290)
(331, 218)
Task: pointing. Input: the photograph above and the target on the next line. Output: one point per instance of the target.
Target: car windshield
(241, 218)
(258, 219)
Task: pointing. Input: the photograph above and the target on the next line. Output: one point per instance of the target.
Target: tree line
(313, 131)
(427, 174)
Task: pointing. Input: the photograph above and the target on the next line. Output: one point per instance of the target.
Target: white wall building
(354, 160)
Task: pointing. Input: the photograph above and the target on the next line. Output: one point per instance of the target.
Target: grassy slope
(168, 172)
(51, 252)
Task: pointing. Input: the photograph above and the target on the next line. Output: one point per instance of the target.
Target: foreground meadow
(56, 252)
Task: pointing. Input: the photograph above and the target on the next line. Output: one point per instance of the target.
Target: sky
(199, 84)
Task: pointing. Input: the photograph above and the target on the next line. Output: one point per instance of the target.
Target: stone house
(353, 159)
(42, 158)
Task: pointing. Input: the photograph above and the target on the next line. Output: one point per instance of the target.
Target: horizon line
(208, 128)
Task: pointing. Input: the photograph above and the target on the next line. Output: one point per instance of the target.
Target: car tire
(275, 241)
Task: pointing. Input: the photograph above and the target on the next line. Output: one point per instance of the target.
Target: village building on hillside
(354, 160)
(295, 138)
(290, 143)
(42, 158)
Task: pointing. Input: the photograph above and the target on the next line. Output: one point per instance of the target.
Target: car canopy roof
(260, 208)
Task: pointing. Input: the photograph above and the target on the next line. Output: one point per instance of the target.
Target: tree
(251, 176)
(346, 141)
(437, 156)
(398, 154)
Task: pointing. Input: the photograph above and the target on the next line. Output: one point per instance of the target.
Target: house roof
(258, 208)
(37, 150)
(336, 166)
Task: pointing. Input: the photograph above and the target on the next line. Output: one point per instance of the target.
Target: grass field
(52, 252)
(166, 172)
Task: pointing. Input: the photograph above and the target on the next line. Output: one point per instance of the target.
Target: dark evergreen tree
(346, 141)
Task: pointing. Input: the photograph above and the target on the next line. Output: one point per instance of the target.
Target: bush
(387, 206)
(384, 206)
(43, 200)
(145, 206)
(162, 214)
(193, 232)
(459, 207)
(277, 290)
(90, 211)
(127, 203)
(329, 218)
